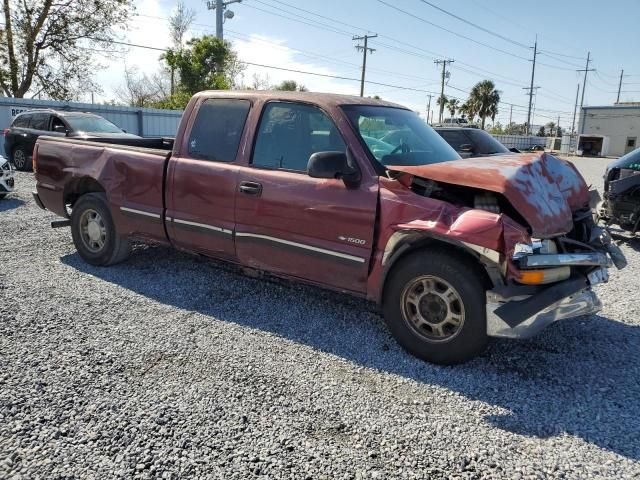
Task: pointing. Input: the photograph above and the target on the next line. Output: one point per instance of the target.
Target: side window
(57, 123)
(217, 129)
(21, 121)
(454, 138)
(289, 133)
(39, 121)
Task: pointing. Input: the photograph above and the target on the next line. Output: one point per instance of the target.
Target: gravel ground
(169, 366)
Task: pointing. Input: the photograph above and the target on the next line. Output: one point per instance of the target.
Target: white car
(6, 177)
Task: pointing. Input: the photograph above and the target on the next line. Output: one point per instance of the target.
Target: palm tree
(466, 109)
(484, 99)
(453, 105)
(442, 101)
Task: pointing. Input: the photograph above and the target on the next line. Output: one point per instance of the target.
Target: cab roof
(321, 99)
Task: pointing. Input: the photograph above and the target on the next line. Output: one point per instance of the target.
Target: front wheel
(434, 305)
(94, 233)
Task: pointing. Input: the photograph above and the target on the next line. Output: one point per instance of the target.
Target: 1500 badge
(357, 241)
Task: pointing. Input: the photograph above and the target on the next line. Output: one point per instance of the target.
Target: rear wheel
(20, 159)
(94, 233)
(434, 304)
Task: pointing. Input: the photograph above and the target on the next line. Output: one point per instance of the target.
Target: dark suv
(20, 138)
(472, 142)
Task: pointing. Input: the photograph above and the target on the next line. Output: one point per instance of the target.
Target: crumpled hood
(542, 188)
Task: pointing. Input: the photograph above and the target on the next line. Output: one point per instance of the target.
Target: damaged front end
(552, 280)
(548, 252)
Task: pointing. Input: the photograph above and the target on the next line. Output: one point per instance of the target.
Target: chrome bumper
(583, 302)
(565, 259)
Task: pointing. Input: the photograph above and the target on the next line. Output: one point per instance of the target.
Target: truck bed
(131, 176)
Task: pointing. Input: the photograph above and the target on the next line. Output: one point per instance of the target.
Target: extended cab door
(291, 224)
(202, 178)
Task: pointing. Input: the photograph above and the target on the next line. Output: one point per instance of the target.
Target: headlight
(521, 250)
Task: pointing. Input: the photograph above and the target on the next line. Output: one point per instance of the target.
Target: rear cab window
(217, 129)
(455, 138)
(289, 133)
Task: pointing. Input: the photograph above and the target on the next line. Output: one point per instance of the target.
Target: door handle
(251, 188)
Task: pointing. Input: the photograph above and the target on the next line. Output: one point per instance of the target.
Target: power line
(451, 31)
(486, 30)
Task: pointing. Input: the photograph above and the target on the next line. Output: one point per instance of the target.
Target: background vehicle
(621, 198)
(472, 142)
(287, 183)
(6, 177)
(456, 122)
(21, 136)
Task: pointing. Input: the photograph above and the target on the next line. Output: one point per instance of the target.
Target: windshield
(86, 123)
(485, 144)
(395, 136)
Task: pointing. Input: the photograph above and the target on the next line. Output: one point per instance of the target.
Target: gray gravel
(168, 366)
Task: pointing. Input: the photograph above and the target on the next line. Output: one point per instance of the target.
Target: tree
(206, 63)
(140, 90)
(452, 106)
(484, 100)
(442, 102)
(290, 86)
(466, 109)
(496, 129)
(179, 23)
(48, 45)
(541, 132)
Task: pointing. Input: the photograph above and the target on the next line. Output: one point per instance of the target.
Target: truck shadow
(9, 203)
(580, 377)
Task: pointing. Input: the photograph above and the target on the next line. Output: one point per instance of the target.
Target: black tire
(2, 195)
(107, 248)
(21, 159)
(462, 275)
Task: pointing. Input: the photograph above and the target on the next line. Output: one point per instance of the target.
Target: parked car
(472, 142)
(456, 122)
(25, 129)
(621, 198)
(452, 250)
(6, 177)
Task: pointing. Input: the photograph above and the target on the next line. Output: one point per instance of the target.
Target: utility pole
(533, 74)
(558, 126)
(510, 113)
(573, 123)
(429, 108)
(531, 91)
(620, 85)
(220, 6)
(584, 84)
(444, 63)
(364, 49)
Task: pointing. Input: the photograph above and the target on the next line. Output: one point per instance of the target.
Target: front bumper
(584, 302)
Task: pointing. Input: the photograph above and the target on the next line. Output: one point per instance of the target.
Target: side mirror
(333, 165)
(466, 147)
(60, 129)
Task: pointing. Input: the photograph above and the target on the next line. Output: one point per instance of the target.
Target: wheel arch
(409, 242)
(77, 187)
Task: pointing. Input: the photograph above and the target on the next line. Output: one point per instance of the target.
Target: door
(201, 181)
(294, 225)
(630, 146)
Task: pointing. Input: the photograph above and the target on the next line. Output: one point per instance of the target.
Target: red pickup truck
(351, 194)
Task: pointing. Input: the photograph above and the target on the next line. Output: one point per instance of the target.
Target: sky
(316, 36)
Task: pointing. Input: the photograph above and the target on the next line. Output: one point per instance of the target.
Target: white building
(609, 131)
